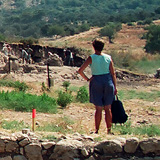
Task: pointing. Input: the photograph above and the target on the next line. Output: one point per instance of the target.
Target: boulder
(28, 68)
(54, 60)
(14, 66)
(2, 146)
(19, 157)
(24, 142)
(48, 145)
(151, 145)
(66, 149)
(6, 158)
(109, 147)
(11, 146)
(33, 151)
(131, 145)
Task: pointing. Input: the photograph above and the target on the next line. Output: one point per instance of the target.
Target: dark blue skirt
(101, 90)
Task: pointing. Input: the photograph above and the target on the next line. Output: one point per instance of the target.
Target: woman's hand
(115, 91)
(90, 79)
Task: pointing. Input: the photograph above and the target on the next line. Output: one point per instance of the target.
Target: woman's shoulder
(92, 55)
(106, 55)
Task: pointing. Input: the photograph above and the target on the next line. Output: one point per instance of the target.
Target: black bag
(118, 112)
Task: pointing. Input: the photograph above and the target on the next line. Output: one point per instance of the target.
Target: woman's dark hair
(98, 44)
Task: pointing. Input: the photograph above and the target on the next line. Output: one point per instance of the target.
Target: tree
(147, 21)
(157, 11)
(56, 30)
(84, 27)
(38, 14)
(44, 30)
(70, 29)
(153, 39)
(110, 30)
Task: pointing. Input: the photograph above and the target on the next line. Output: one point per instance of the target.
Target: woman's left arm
(112, 71)
(82, 68)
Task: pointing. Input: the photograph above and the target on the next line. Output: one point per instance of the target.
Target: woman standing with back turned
(102, 87)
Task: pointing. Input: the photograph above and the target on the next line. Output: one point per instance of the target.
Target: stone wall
(77, 147)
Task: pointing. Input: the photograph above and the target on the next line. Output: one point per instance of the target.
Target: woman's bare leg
(108, 117)
(98, 117)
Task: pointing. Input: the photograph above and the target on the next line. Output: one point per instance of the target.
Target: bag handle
(116, 96)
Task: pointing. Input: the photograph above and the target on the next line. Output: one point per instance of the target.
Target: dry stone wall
(77, 147)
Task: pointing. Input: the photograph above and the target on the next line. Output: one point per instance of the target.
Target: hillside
(127, 47)
(39, 18)
(129, 38)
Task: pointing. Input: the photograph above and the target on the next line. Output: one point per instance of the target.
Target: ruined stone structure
(40, 53)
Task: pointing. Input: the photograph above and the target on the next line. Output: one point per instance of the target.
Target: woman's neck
(97, 52)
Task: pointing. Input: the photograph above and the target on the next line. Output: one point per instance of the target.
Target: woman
(102, 87)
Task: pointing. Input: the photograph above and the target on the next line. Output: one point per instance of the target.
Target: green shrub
(50, 137)
(66, 84)
(29, 41)
(123, 60)
(20, 101)
(82, 95)
(147, 66)
(13, 125)
(144, 36)
(64, 99)
(21, 86)
(140, 23)
(149, 130)
(130, 24)
(43, 87)
(134, 94)
(60, 125)
(148, 21)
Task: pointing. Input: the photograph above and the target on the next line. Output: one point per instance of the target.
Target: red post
(33, 119)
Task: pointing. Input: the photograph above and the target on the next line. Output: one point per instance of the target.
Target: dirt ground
(139, 111)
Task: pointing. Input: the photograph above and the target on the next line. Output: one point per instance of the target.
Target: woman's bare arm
(83, 67)
(112, 71)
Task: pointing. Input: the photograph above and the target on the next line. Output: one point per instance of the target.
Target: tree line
(68, 17)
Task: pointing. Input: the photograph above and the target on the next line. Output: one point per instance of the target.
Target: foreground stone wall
(78, 147)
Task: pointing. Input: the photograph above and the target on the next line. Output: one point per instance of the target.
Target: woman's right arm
(83, 67)
(112, 71)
